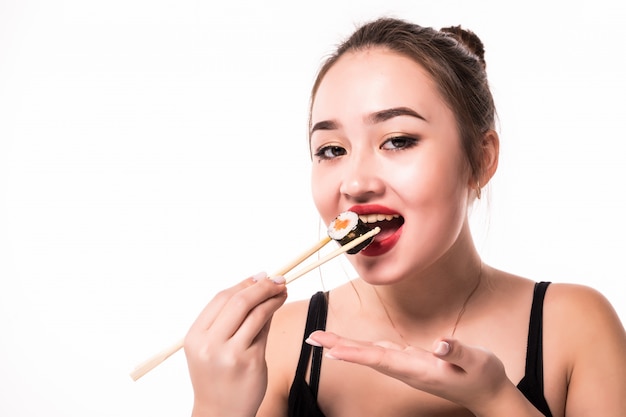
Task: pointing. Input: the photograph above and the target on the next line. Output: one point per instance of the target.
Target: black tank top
(303, 396)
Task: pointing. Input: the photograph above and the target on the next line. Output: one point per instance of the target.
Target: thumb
(454, 352)
(468, 358)
(443, 347)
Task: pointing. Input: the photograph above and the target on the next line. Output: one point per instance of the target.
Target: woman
(402, 132)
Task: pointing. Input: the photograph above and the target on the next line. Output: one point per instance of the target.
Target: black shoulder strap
(532, 383)
(534, 354)
(316, 320)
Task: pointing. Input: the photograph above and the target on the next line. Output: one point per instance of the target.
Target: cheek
(322, 192)
(432, 180)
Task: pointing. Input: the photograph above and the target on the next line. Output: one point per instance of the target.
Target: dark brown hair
(454, 58)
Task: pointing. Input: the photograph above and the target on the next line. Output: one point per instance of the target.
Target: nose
(361, 180)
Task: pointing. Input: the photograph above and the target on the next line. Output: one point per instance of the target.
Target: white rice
(348, 221)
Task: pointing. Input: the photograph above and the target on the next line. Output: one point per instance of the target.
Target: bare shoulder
(585, 338)
(581, 326)
(289, 320)
(576, 305)
(282, 352)
(285, 339)
(581, 320)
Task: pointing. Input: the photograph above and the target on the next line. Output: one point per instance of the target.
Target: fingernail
(312, 342)
(278, 280)
(258, 276)
(442, 348)
(329, 356)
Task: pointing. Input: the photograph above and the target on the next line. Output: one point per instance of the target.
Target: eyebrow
(384, 115)
(324, 125)
(377, 117)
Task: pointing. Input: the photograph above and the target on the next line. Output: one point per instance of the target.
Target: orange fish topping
(341, 224)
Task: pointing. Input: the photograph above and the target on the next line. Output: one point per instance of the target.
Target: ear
(491, 154)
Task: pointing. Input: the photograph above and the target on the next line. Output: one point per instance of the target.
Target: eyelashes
(393, 144)
(330, 152)
(398, 143)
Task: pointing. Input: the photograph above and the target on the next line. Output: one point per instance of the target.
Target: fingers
(472, 366)
(252, 300)
(454, 352)
(373, 354)
(321, 338)
(249, 303)
(378, 354)
(256, 324)
(331, 340)
(397, 360)
(469, 359)
(209, 313)
(461, 373)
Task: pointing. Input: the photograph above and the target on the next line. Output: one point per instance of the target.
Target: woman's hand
(469, 376)
(225, 347)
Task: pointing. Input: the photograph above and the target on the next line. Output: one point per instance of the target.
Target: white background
(154, 151)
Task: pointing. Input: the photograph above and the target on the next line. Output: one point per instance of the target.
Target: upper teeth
(373, 218)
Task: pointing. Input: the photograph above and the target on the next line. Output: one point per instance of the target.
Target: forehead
(367, 81)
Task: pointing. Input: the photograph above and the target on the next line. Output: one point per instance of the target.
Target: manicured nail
(442, 348)
(258, 276)
(279, 280)
(312, 342)
(329, 356)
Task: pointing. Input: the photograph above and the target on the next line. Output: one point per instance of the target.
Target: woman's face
(385, 143)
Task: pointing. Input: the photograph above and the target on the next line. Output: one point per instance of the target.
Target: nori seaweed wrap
(346, 227)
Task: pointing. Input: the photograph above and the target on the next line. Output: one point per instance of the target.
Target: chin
(377, 272)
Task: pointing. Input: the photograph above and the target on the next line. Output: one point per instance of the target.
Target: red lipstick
(391, 230)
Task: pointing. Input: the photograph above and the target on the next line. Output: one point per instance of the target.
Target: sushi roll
(346, 227)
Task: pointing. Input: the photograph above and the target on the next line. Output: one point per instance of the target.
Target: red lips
(391, 230)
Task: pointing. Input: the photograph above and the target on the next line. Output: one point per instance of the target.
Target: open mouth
(388, 223)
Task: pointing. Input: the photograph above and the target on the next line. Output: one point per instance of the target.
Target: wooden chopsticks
(151, 363)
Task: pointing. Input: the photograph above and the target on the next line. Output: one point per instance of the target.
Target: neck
(438, 297)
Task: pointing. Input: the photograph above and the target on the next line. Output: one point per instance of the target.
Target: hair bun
(469, 39)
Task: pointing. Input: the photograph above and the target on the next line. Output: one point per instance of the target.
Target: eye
(399, 142)
(330, 152)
